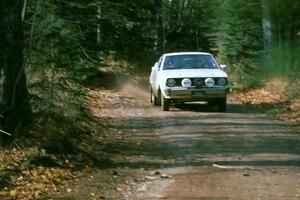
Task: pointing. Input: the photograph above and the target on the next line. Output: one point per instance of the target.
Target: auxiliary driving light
(209, 82)
(186, 83)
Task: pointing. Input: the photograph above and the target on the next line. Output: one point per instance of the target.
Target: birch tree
(267, 25)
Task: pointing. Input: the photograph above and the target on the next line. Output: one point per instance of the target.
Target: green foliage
(56, 41)
(241, 44)
(282, 57)
(190, 25)
(285, 21)
(62, 36)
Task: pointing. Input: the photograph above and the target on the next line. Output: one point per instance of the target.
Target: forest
(46, 41)
(51, 50)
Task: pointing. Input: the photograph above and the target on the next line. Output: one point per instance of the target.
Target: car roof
(186, 53)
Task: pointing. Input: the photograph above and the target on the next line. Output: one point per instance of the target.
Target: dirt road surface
(195, 152)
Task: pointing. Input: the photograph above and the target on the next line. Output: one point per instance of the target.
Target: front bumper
(195, 94)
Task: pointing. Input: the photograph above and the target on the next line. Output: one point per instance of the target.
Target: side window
(159, 62)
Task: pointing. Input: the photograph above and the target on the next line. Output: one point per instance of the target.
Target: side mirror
(223, 66)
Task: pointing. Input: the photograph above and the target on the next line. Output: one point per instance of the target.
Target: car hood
(193, 73)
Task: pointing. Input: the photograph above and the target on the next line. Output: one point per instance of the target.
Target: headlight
(186, 83)
(222, 82)
(209, 82)
(171, 82)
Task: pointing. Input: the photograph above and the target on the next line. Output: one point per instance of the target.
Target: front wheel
(153, 99)
(165, 104)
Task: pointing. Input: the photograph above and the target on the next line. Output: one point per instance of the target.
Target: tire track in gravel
(240, 154)
(194, 152)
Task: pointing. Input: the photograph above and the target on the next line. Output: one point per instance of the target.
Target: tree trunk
(267, 25)
(160, 37)
(14, 104)
(98, 17)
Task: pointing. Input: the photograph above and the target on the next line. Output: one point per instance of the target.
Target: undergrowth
(63, 135)
(281, 61)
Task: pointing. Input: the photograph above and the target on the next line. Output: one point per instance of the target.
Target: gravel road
(195, 152)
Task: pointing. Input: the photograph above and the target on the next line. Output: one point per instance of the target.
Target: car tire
(151, 96)
(222, 104)
(158, 98)
(165, 104)
(153, 99)
(211, 102)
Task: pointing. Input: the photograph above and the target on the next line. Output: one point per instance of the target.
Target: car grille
(196, 82)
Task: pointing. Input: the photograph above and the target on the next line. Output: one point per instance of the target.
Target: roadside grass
(281, 60)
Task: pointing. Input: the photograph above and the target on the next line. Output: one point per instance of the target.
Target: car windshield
(189, 62)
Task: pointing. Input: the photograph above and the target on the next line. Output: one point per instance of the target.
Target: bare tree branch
(6, 133)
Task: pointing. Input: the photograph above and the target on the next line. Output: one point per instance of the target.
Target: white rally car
(188, 77)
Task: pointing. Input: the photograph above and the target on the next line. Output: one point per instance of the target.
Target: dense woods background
(49, 48)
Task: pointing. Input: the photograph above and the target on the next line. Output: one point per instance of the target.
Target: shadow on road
(231, 108)
(196, 135)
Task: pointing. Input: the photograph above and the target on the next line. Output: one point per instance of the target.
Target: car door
(154, 75)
